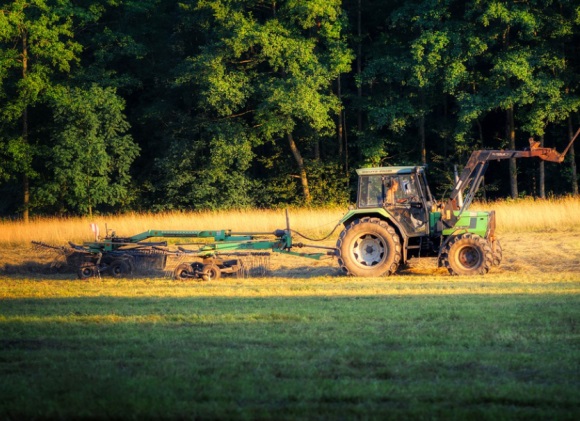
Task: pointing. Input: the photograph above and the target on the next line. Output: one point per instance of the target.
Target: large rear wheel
(369, 247)
(467, 254)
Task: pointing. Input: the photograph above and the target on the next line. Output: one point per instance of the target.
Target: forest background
(154, 105)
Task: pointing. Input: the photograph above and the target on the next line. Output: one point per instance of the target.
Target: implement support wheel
(119, 268)
(183, 272)
(210, 272)
(87, 270)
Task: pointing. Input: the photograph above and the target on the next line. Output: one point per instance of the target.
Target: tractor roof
(388, 170)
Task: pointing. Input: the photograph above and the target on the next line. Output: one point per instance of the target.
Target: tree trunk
(359, 66)
(339, 128)
(542, 182)
(511, 135)
(422, 137)
(25, 179)
(422, 129)
(572, 159)
(317, 149)
(301, 168)
(446, 125)
(480, 132)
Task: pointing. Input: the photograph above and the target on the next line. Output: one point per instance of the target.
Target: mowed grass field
(303, 343)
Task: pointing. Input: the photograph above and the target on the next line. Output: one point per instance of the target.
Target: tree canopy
(110, 106)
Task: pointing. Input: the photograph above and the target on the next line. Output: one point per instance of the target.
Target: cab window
(370, 191)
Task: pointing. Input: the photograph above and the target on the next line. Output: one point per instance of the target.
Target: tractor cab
(401, 191)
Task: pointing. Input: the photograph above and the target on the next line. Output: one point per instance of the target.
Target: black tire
(496, 252)
(467, 254)
(369, 247)
(210, 272)
(183, 272)
(119, 268)
(130, 260)
(87, 270)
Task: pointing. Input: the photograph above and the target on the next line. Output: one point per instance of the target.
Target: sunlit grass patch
(399, 285)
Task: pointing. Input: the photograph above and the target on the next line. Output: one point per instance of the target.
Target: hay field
(535, 215)
(62, 230)
(535, 233)
(520, 216)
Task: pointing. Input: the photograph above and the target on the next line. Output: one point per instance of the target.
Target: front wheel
(369, 247)
(467, 254)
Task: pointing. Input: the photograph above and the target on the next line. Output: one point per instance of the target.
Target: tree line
(115, 105)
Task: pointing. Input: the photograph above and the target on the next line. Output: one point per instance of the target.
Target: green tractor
(396, 218)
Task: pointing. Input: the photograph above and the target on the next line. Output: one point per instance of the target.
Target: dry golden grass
(525, 215)
(61, 230)
(535, 215)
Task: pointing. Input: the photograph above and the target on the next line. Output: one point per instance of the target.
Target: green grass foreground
(494, 347)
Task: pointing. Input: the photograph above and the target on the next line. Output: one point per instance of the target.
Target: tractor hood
(481, 223)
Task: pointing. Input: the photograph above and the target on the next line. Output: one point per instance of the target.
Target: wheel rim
(469, 257)
(118, 269)
(369, 250)
(211, 274)
(87, 272)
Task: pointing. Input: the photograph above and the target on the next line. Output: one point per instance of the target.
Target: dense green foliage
(111, 105)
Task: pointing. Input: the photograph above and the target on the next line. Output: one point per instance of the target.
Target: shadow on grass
(31, 267)
(42, 271)
(65, 272)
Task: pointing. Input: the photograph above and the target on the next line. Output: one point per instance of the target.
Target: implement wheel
(183, 272)
(369, 247)
(119, 268)
(210, 272)
(467, 254)
(87, 270)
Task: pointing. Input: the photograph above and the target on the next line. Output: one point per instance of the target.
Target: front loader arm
(474, 170)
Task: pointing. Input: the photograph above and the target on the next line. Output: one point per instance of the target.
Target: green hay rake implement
(217, 253)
